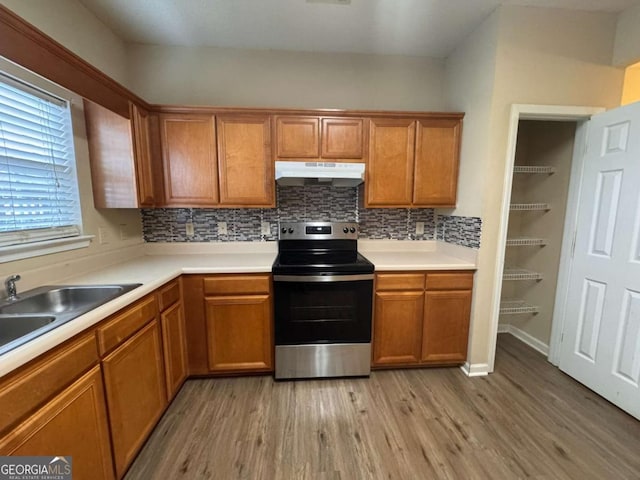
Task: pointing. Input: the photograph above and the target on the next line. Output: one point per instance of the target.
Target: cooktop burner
(317, 248)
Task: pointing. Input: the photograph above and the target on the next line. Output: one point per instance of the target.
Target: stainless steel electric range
(323, 294)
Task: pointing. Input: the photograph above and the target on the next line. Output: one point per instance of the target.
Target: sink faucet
(10, 287)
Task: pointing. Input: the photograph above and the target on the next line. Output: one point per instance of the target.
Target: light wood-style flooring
(527, 420)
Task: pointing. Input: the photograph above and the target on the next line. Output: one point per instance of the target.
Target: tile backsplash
(312, 202)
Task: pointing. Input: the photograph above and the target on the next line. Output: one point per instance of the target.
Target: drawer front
(168, 295)
(126, 324)
(399, 281)
(236, 284)
(28, 389)
(450, 281)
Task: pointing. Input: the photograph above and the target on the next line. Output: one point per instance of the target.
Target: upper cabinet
(320, 138)
(413, 163)
(245, 160)
(120, 156)
(221, 161)
(189, 159)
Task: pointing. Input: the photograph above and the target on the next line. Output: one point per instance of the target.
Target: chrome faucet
(10, 287)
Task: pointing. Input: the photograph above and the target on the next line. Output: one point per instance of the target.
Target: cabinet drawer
(168, 295)
(400, 281)
(126, 324)
(24, 392)
(236, 284)
(450, 281)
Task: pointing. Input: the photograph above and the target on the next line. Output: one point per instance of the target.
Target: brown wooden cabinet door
(446, 326)
(136, 394)
(390, 169)
(239, 331)
(397, 327)
(111, 155)
(189, 159)
(436, 162)
(175, 348)
(73, 423)
(143, 161)
(342, 138)
(297, 137)
(245, 161)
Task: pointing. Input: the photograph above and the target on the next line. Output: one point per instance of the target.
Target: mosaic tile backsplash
(312, 202)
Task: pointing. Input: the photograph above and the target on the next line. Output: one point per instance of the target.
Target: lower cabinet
(73, 423)
(421, 318)
(175, 348)
(398, 319)
(136, 393)
(239, 332)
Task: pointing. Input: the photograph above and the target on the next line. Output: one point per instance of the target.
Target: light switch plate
(189, 230)
(419, 228)
(103, 235)
(265, 228)
(222, 228)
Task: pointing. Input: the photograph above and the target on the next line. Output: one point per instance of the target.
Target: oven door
(322, 309)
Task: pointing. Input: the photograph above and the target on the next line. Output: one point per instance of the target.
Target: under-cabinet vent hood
(319, 173)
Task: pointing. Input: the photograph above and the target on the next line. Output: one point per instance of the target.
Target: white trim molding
(475, 370)
(524, 337)
(35, 249)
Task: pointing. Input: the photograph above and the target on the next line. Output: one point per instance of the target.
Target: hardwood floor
(527, 420)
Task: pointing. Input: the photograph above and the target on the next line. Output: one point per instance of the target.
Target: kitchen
(481, 78)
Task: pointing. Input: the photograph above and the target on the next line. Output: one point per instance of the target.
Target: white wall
(269, 78)
(470, 77)
(75, 27)
(627, 44)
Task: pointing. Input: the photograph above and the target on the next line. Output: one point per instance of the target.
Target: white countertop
(162, 263)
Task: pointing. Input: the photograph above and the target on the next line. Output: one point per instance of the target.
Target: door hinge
(573, 242)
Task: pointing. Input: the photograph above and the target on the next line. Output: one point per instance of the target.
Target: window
(38, 184)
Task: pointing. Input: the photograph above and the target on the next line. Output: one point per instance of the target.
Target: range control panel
(319, 231)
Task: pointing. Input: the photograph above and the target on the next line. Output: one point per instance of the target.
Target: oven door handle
(321, 278)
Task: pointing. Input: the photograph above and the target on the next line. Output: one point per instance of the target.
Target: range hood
(319, 173)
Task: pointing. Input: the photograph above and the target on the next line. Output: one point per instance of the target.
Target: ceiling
(429, 28)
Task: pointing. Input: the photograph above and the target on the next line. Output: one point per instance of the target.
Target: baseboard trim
(475, 369)
(525, 338)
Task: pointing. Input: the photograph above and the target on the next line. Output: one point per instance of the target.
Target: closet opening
(535, 228)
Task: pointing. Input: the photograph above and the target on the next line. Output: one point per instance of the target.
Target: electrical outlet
(419, 228)
(189, 230)
(123, 232)
(222, 228)
(265, 228)
(103, 235)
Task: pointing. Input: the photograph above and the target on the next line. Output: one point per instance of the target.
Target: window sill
(36, 249)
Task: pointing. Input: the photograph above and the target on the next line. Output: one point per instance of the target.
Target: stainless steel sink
(18, 326)
(64, 299)
(42, 309)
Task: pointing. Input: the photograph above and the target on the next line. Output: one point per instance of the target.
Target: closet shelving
(516, 274)
(515, 307)
(526, 242)
(529, 207)
(533, 169)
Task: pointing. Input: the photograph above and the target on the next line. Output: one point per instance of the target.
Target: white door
(601, 337)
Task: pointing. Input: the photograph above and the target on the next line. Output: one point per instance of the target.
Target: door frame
(556, 113)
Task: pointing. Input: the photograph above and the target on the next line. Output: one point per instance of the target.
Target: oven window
(323, 312)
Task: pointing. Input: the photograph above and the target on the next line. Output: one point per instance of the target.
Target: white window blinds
(38, 184)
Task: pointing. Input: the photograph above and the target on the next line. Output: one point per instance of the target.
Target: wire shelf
(529, 206)
(533, 169)
(526, 242)
(515, 307)
(520, 274)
